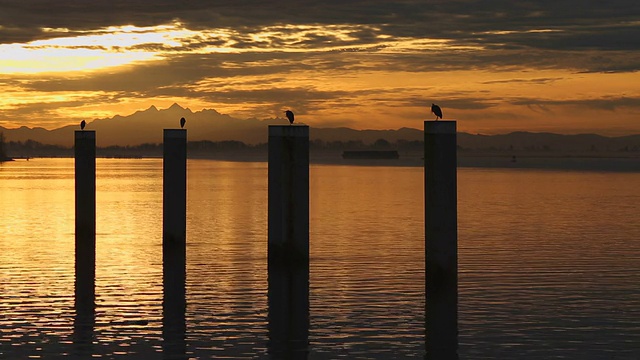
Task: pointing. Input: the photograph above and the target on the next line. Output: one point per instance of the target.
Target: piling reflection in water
(84, 325)
(174, 303)
(288, 309)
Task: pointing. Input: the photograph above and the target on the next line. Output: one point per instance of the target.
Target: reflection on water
(549, 263)
(84, 323)
(288, 319)
(174, 301)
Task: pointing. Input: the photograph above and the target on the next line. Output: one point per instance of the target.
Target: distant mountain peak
(175, 106)
(214, 111)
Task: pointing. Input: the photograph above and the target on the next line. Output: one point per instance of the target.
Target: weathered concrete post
(441, 240)
(288, 246)
(174, 230)
(174, 187)
(85, 240)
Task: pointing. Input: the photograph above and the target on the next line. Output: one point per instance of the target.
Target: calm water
(549, 262)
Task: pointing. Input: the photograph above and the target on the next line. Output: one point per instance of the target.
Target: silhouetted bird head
(82, 124)
(182, 122)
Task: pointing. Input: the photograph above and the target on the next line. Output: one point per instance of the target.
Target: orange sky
(521, 71)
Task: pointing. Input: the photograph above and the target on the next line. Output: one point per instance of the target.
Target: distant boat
(370, 154)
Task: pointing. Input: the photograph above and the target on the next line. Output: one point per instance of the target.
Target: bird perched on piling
(182, 122)
(289, 114)
(82, 124)
(436, 110)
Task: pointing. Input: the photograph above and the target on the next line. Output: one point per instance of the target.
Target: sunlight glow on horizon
(26, 60)
(91, 50)
(124, 45)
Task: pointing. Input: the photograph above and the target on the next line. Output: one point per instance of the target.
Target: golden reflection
(229, 213)
(36, 204)
(543, 239)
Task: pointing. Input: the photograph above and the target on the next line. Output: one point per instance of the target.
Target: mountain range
(146, 127)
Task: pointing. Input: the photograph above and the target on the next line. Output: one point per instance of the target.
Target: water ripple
(549, 264)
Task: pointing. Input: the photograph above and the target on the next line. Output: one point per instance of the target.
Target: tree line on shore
(31, 148)
(233, 148)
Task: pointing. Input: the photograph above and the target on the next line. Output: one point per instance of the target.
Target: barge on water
(371, 154)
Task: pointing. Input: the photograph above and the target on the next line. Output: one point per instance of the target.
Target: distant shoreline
(582, 162)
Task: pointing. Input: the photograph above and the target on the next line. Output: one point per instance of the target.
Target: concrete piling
(174, 187)
(288, 247)
(441, 240)
(174, 229)
(85, 240)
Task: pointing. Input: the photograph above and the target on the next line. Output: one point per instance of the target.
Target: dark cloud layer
(594, 36)
(610, 25)
(606, 103)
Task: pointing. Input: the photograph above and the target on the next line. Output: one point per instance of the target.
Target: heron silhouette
(182, 122)
(436, 110)
(289, 114)
(82, 124)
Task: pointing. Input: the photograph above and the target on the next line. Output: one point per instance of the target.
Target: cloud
(609, 103)
(491, 22)
(499, 33)
(333, 57)
(453, 102)
(526, 81)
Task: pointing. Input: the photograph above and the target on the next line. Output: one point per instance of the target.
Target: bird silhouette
(289, 114)
(82, 124)
(436, 110)
(182, 122)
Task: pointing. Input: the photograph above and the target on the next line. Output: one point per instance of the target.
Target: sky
(494, 66)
